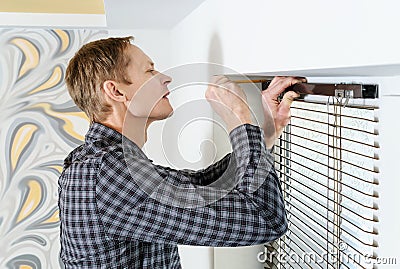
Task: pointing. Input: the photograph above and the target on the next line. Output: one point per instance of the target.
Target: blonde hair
(92, 65)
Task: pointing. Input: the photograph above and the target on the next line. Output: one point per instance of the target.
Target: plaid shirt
(119, 210)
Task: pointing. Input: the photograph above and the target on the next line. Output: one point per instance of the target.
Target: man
(119, 210)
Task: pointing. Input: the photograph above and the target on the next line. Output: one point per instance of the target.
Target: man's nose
(166, 79)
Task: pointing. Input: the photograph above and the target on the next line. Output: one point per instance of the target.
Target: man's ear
(111, 89)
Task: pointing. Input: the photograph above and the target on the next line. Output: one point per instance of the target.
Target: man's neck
(134, 128)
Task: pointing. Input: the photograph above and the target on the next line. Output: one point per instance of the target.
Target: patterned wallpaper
(39, 126)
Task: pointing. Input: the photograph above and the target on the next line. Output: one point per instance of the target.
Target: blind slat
(334, 158)
(375, 157)
(348, 197)
(375, 145)
(374, 119)
(331, 167)
(314, 209)
(334, 125)
(333, 179)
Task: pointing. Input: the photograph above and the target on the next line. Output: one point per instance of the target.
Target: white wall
(155, 43)
(257, 35)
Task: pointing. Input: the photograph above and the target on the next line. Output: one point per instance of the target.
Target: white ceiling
(147, 14)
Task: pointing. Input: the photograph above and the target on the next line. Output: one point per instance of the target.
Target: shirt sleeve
(200, 177)
(138, 201)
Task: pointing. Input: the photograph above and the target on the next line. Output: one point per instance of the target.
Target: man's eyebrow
(149, 63)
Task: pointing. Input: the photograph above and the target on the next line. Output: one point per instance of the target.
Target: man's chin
(163, 116)
(168, 115)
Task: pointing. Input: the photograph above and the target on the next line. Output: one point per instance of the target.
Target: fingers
(218, 80)
(280, 84)
(283, 110)
(286, 80)
(288, 98)
(277, 114)
(229, 101)
(227, 84)
(222, 82)
(215, 83)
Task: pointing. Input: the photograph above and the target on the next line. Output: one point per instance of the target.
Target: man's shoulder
(93, 153)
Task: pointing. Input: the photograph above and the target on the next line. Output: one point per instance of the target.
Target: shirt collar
(98, 131)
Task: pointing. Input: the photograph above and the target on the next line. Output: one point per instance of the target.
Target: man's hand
(229, 101)
(277, 114)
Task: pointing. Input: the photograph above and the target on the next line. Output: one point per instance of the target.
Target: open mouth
(165, 95)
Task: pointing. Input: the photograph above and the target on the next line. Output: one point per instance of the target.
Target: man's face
(148, 89)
